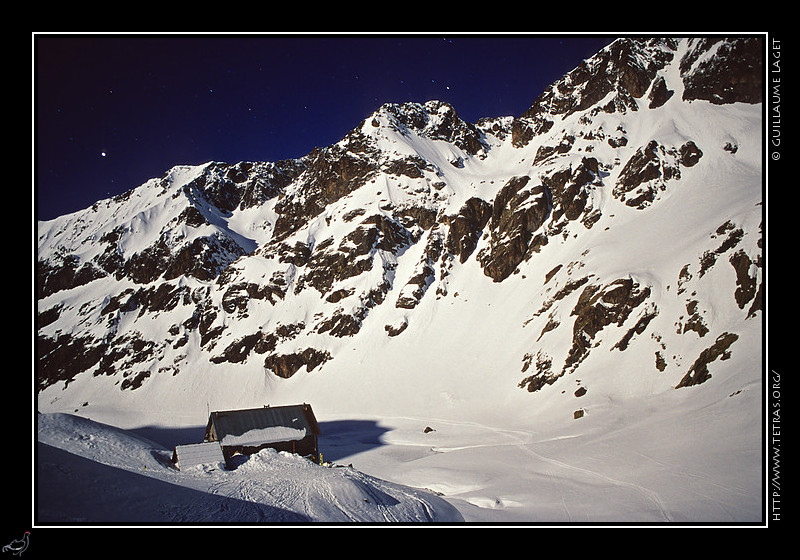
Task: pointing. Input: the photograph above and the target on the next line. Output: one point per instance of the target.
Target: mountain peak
(433, 119)
(716, 69)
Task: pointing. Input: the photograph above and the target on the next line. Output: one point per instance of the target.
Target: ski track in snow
(521, 440)
(647, 493)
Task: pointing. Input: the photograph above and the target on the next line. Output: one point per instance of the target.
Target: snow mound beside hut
(132, 479)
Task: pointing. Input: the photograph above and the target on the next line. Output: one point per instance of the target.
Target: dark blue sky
(112, 112)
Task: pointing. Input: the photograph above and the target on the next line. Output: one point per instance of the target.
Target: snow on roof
(257, 426)
(198, 454)
(260, 436)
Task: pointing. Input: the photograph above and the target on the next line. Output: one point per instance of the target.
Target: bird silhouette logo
(18, 546)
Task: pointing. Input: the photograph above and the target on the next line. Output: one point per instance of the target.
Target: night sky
(111, 112)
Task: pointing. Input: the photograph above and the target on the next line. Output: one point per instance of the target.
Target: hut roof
(257, 426)
(198, 454)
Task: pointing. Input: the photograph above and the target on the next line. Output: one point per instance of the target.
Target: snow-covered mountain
(600, 253)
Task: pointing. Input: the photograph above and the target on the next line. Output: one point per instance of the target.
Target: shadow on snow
(338, 439)
(72, 489)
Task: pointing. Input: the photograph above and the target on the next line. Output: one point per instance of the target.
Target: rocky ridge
(280, 265)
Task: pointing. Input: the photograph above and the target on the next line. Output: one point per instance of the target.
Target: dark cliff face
(733, 74)
(518, 212)
(628, 69)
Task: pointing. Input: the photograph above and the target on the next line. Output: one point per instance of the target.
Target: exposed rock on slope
(649, 170)
(722, 70)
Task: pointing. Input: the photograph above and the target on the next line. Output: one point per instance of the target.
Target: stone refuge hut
(291, 428)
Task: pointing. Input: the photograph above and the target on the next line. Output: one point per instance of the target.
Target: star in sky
(145, 104)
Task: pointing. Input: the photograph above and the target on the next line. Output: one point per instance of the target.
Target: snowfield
(656, 460)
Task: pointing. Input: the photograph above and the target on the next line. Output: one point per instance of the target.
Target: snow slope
(93, 473)
(660, 460)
